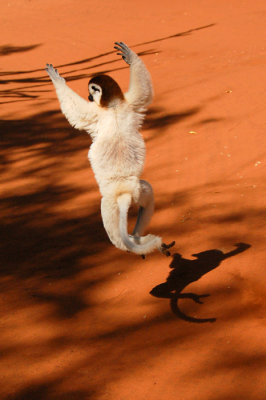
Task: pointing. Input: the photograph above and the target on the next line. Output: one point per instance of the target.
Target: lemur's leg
(146, 208)
(110, 217)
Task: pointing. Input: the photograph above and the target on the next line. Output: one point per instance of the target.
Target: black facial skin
(96, 90)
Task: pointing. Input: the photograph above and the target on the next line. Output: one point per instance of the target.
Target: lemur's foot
(165, 247)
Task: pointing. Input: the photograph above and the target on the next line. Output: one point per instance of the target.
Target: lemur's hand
(53, 73)
(127, 54)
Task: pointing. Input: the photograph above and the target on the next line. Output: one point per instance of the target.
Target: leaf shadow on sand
(185, 271)
(8, 49)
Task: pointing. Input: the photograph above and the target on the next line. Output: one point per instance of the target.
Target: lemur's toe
(165, 247)
(168, 246)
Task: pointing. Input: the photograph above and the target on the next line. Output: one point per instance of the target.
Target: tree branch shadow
(36, 240)
(157, 119)
(22, 93)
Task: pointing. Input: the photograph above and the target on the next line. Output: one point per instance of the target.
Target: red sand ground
(77, 317)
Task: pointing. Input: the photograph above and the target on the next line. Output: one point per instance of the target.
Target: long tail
(141, 245)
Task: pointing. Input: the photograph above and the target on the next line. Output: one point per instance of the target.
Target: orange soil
(77, 317)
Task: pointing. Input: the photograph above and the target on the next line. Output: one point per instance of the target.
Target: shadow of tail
(176, 310)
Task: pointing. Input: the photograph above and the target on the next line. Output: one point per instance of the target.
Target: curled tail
(139, 245)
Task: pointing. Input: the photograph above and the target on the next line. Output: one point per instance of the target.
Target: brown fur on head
(110, 89)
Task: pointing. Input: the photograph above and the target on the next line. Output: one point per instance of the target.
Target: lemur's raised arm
(80, 113)
(140, 92)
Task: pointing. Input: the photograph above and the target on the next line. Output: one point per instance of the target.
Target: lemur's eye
(95, 89)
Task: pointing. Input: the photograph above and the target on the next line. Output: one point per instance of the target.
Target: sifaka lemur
(117, 153)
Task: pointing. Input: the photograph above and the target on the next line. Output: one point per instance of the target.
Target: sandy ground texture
(80, 319)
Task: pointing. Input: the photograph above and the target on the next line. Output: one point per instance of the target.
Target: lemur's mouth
(90, 97)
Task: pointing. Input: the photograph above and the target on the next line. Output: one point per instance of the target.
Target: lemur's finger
(122, 45)
(122, 50)
(118, 47)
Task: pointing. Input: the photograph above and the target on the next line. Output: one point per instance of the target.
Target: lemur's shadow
(186, 271)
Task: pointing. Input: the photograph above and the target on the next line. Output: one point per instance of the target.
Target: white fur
(117, 153)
